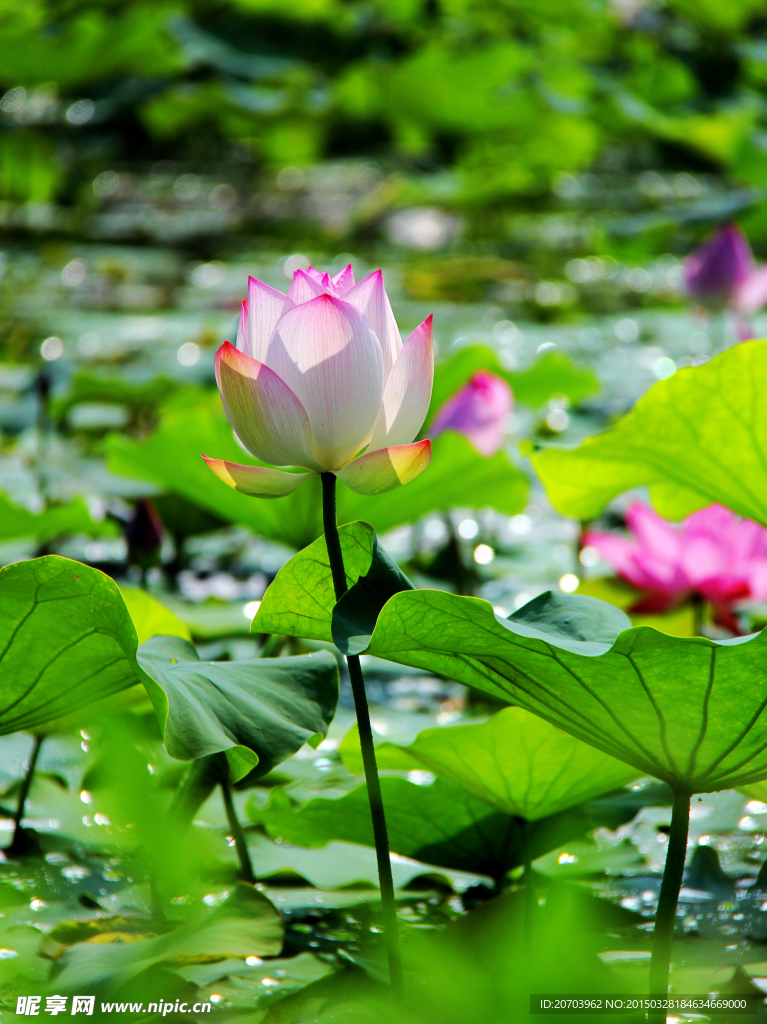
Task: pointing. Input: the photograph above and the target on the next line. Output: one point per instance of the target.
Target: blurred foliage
(466, 104)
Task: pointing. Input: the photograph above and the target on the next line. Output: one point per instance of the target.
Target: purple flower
(479, 411)
(716, 271)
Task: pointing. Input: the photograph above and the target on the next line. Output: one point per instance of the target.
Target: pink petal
(243, 344)
(343, 281)
(266, 415)
(751, 295)
(304, 288)
(320, 276)
(408, 391)
(326, 352)
(386, 468)
(370, 298)
(257, 481)
(265, 307)
(479, 411)
(655, 535)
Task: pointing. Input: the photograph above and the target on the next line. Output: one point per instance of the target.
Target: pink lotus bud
(713, 553)
(319, 375)
(714, 272)
(479, 411)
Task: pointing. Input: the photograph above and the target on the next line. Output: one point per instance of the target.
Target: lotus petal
(243, 344)
(257, 481)
(266, 415)
(386, 468)
(304, 288)
(370, 298)
(265, 307)
(343, 281)
(408, 391)
(327, 353)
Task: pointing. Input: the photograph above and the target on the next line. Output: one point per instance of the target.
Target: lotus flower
(479, 411)
(713, 554)
(321, 380)
(715, 272)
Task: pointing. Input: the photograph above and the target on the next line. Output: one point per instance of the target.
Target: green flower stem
(366, 742)
(665, 916)
(246, 868)
(20, 841)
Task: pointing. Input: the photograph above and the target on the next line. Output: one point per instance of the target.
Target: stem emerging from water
(20, 842)
(246, 868)
(366, 742)
(665, 916)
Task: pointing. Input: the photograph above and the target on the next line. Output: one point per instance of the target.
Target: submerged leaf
(246, 924)
(258, 712)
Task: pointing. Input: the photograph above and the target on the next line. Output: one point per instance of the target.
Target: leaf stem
(665, 916)
(246, 868)
(385, 880)
(20, 842)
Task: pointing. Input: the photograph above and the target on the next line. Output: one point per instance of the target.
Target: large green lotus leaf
(517, 762)
(55, 521)
(689, 711)
(247, 924)
(439, 824)
(170, 458)
(258, 712)
(301, 598)
(553, 374)
(698, 437)
(66, 641)
(151, 617)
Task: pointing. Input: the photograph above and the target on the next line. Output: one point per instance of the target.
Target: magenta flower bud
(713, 553)
(479, 411)
(714, 272)
(319, 376)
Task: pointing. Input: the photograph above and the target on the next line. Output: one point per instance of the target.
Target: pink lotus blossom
(319, 376)
(713, 554)
(479, 411)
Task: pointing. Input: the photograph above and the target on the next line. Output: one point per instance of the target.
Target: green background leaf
(151, 617)
(438, 824)
(517, 762)
(170, 458)
(258, 712)
(552, 374)
(696, 438)
(54, 521)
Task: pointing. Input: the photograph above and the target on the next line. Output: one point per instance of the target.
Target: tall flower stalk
(321, 382)
(375, 799)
